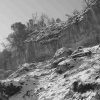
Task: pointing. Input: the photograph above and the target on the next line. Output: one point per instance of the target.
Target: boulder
(78, 50)
(56, 62)
(63, 52)
(81, 54)
(65, 65)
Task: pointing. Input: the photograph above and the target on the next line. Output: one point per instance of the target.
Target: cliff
(82, 29)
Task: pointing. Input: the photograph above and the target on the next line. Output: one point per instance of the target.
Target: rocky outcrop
(63, 52)
(71, 79)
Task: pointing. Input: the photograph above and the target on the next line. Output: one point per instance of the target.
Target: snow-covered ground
(77, 79)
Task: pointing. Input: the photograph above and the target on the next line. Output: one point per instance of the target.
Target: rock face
(71, 79)
(63, 52)
(46, 42)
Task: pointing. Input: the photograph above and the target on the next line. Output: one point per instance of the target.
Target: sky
(12, 11)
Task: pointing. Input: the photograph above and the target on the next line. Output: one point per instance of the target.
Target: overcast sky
(21, 11)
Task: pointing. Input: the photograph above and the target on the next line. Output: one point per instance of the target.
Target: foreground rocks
(64, 78)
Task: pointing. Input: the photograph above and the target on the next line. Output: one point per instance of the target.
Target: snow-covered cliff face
(76, 77)
(44, 44)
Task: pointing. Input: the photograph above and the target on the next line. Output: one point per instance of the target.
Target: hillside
(37, 42)
(76, 77)
(82, 29)
(54, 62)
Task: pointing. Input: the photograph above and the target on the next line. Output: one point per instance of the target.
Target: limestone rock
(77, 80)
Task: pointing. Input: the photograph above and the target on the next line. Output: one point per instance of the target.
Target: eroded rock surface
(76, 79)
